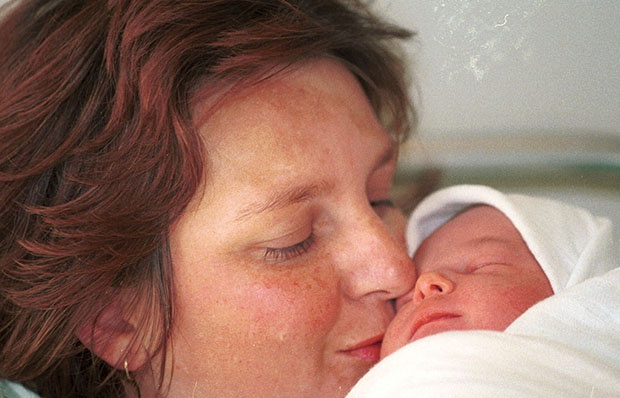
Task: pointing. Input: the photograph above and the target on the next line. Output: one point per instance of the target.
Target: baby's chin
(398, 332)
(385, 353)
(389, 347)
(396, 338)
(390, 344)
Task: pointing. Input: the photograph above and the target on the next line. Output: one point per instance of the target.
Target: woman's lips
(367, 350)
(427, 319)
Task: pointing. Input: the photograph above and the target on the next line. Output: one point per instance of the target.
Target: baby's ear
(111, 335)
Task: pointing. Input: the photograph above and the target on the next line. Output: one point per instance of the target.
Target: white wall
(505, 65)
(523, 95)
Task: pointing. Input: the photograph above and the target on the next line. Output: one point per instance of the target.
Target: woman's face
(287, 260)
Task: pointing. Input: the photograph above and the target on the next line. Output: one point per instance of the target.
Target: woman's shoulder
(9, 389)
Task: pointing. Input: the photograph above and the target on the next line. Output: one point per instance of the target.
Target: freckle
(320, 283)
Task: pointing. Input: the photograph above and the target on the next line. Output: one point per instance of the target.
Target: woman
(195, 196)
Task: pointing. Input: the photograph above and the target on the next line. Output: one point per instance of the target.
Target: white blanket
(565, 346)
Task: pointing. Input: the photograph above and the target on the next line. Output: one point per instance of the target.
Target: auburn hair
(99, 156)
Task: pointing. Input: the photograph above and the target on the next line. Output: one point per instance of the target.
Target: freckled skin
(247, 327)
(477, 269)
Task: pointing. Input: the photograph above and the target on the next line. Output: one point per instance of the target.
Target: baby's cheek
(530, 294)
(513, 302)
(398, 332)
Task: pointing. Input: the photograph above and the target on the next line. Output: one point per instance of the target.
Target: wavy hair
(99, 156)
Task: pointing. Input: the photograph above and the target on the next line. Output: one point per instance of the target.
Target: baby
(483, 258)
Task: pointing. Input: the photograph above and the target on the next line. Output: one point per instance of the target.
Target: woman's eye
(382, 203)
(273, 254)
(383, 207)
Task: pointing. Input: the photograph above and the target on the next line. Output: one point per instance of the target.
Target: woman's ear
(112, 336)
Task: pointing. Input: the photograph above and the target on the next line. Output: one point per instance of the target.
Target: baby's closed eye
(482, 265)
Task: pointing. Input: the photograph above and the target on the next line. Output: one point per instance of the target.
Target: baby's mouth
(427, 319)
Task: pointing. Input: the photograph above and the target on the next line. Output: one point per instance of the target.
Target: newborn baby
(474, 272)
(483, 258)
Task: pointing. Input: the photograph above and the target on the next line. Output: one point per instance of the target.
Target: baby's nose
(430, 284)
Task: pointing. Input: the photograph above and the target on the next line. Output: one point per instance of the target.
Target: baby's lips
(430, 319)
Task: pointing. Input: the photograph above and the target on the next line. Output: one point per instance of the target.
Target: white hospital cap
(570, 244)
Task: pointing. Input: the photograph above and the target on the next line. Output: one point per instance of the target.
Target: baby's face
(474, 272)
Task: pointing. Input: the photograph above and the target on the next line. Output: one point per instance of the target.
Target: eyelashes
(383, 203)
(481, 266)
(273, 254)
(280, 254)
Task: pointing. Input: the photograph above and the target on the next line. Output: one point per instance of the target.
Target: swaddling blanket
(565, 346)
(554, 350)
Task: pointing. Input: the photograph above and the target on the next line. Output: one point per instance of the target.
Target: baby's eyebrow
(489, 240)
(494, 244)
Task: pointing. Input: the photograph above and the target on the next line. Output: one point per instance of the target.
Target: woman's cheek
(293, 307)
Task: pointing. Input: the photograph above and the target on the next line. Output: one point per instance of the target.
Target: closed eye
(382, 203)
(383, 207)
(279, 254)
(479, 266)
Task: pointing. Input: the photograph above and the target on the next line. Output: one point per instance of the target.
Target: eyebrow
(302, 193)
(286, 197)
(490, 240)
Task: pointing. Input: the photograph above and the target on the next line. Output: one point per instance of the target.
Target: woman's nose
(431, 284)
(376, 262)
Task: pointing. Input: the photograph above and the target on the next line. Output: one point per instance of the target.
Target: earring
(126, 365)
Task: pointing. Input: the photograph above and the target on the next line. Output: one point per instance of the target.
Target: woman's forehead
(287, 113)
(298, 126)
(271, 86)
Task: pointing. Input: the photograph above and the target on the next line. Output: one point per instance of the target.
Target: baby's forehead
(479, 229)
(479, 218)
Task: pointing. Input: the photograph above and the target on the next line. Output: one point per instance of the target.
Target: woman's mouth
(367, 350)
